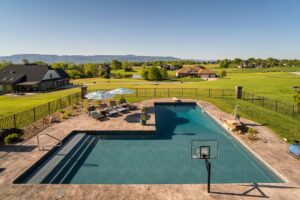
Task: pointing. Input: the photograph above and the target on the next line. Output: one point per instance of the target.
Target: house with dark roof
(195, 71)
(31, 77)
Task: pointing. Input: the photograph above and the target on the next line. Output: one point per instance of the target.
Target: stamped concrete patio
(271, 149)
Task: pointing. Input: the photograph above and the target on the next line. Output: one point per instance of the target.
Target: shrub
(68, 113)
(223, 73)
(144, 110)
(11, 138)
(252, 134)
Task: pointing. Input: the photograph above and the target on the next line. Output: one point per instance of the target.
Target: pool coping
(241, 142)
(15, 162)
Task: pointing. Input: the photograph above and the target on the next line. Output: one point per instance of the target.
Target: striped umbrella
(99, 95)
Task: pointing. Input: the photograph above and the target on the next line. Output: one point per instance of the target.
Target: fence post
(182, 92)
(209, 93)
(239, 92)
(276, 105)
(60, 103)
(168, 92)
(15, 121)
(252, 97)
(222, 92)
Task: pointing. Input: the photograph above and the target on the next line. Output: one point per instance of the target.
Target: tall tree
(116, 65)
(91, 70)
(25, 61)
(127, 66)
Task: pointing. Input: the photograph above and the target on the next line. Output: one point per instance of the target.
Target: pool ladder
(43, 148)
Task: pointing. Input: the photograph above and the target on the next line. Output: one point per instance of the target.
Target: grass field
(276, 85)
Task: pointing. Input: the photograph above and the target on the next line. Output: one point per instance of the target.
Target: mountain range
(78, 59)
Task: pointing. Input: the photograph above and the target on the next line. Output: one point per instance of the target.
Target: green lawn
(277, 85)
(11, 104)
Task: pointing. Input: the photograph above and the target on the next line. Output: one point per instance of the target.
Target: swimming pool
(163, 157)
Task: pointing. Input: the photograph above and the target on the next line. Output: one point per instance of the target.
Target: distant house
(246, 64)
(169, 67)
(195, 71)
(31, 77)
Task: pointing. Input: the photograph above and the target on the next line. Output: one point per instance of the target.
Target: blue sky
(198, 29)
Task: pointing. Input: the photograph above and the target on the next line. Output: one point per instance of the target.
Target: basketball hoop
(205, 150)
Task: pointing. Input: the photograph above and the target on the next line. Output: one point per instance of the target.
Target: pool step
(72, 164)
(52, 162)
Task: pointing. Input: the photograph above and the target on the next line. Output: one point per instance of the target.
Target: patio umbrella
(121, 91)
(99, 95)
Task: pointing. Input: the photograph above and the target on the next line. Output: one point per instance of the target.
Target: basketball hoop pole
(208, 168)
(205, 150)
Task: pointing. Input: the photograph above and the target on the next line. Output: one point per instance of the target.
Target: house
(169, 67)
(246, 64)
(195, 71)
(31, 77)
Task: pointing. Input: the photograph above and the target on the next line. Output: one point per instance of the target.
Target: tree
(154, 74)
(105, 71)
(145, 73)
(116, 65)
(91, 70)
(25, 61)
(223, 73)
(251, 61)
(4, 64)
(224, 63)
(237, 61)
(38, 62)
(127, 66)
(164, 74)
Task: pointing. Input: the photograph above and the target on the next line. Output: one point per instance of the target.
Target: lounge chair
(117, 107)
(294, 149)
(107, 111)
(91, 110)
(123, 103)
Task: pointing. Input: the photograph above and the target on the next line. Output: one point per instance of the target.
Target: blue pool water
(162, 159)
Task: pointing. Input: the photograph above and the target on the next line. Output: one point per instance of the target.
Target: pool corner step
(49, 165)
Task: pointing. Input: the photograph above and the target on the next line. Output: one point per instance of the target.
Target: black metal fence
(272, 104)
(27, 117)
(179, 92)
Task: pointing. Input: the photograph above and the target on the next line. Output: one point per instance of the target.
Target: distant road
(296, 73)
(144, 83)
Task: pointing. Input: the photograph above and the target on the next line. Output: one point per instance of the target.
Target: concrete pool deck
(272, 149)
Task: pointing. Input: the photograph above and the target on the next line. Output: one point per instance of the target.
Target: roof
(31, 71)
(198, 66)
(62, 73)
(188, 69)
(206, 71)
(10, 78)
(28, 72)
